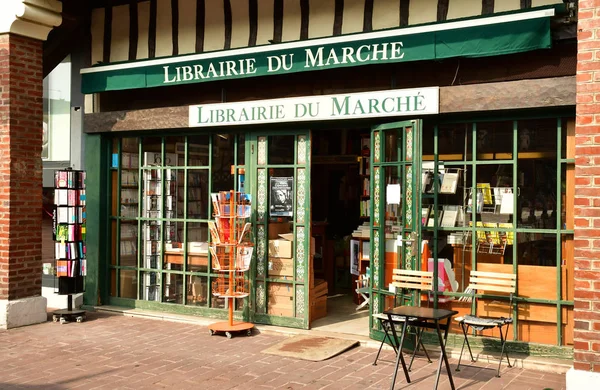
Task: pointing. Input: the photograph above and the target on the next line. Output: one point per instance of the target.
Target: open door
(395, 205)
(280, 168)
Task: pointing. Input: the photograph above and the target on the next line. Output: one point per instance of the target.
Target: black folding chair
(412, 281)
(488, 282)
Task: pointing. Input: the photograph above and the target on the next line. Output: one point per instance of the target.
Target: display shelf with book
(231, 250)
(69, 233)
(364, 174)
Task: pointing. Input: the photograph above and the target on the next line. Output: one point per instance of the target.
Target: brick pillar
(21, 110)
(585, 373)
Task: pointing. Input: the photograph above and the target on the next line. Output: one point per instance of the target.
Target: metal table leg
(443, 356)
(400, 358)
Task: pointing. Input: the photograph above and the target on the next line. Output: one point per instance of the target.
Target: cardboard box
(280, 248)
(280, 310)
(318, 308)
(279, 266)
(277, 228)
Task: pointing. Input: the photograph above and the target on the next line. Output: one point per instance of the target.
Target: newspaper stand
(231, 254)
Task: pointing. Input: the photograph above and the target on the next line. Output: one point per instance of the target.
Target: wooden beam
(253, 16)
(107, 34)
(152, 30)
(338, 18)
(525, 4)
(442, 10)
(228, 20)
(175, 26)
(133, 29)
(404, 13)
(510, 95)
(304, 18)
(368, 16)
(487, 7)
(277, 21)
(200, 23)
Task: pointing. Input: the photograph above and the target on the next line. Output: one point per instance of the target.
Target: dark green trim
(290, 322)
(97, 178)
(174, 308)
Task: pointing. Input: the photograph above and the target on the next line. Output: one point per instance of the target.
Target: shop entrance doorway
(365, 207)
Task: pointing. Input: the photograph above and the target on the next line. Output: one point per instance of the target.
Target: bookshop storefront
(344, 131)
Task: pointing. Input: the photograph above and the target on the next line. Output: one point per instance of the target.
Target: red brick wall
(587, 190)
(21, 110)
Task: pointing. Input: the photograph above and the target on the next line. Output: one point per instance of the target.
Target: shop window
(281, 149)
(57, 113)
(160, 208)
(506, 220)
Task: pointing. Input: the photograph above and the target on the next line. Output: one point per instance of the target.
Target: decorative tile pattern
(301, 196)
(260, 298)
(300, 253)
(375, 309)
(300, 301)
(262, 150)
(262, 195)
(408, 184)
(376, 195)
(408, 256)
(409, 143)
(261, 245)
(302, 149)
(375, 249)
(377, 151)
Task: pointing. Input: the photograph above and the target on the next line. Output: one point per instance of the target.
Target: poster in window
(281, 200)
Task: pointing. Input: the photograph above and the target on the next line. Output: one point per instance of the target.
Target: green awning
(477, 37)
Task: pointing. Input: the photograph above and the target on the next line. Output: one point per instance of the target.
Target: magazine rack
(68, 232)
(231, 252)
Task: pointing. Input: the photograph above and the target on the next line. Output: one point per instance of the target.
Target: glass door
(395, 204)
(280, 169)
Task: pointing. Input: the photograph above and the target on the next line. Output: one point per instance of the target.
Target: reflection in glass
(197, 238)
(128, 284)
(494, 140)
(128, 244)
(151, 250)
(198, 147)
(197, 290)
(171, 149)
(150, 286)
(536, 249)
(197, 194)
(222, 160)
(454, 142)
(281, 149)
(172, 288)
(152, 152)
(393, 145)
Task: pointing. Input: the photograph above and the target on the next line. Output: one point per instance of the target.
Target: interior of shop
(340, 185)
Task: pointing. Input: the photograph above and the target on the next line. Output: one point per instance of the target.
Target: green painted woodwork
(97, 178)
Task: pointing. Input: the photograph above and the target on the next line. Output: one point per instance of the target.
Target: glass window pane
(197, 290)
(222, 160)
(151, 250)
(197, 194)
(454, 142)
(538, 249)
(197, 238)
(128, 244)
(198, 148)
(494, 140)
(281, 149)
(152, 152)
(128, 284)
(150, 286)
(173, 156)
(57, 113)
(241, 149)
(173, 288)
(393, 145)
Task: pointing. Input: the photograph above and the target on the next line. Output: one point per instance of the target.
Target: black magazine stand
(68, 231)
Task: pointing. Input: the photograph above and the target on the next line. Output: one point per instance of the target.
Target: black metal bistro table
(422, 317)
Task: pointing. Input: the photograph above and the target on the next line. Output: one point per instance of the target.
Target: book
(486, 190)
(507, 204)
(424, 215)
(215, 259)
(449, 183)
(450, 214)
(214, 233)
(245, 232)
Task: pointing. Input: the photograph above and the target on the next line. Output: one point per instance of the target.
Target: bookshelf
(231, 250)
(69, 237)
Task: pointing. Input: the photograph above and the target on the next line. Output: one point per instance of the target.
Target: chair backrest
(415, 280)
(493, 282)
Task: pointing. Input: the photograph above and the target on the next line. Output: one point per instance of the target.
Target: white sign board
(390, 103)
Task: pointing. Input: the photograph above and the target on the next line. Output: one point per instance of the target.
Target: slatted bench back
(416, 280)
(493, 281)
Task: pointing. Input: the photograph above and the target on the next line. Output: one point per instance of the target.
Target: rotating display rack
(231, 251)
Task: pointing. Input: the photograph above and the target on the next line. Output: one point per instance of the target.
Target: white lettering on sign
(392, 103)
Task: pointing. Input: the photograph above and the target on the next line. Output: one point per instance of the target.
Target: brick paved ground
(118, 352)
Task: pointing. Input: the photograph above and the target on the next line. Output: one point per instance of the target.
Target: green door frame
(408, 164)
(257, 146)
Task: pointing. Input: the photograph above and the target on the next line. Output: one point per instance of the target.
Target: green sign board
(470, 38)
